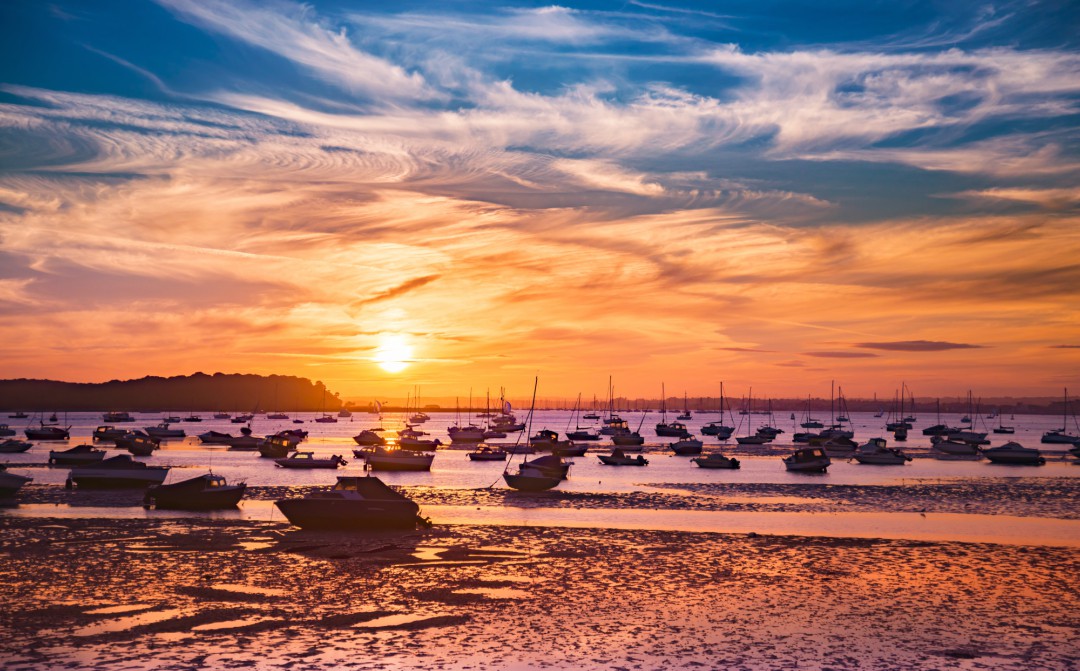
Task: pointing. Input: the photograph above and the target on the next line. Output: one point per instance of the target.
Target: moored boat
(80, 454)
(119, 472)
(485, 453)
(309, 460)
(877, 453)
(808, 460)
(117, 417)
(10, 483)
(162, 430)
(1014, 453)
(369, 437)
(12, 446)
(716, 460)
(620, 458)
(47, 432)
(686, 445)
(203, 492)
(107, 432)
(353, 504)
(382, 459)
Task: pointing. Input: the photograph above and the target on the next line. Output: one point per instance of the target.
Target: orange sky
(777, 230)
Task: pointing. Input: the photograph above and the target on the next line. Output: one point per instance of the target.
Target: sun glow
(394, 354)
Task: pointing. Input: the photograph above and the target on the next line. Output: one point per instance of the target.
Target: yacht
(354, 503)
(1014, 453)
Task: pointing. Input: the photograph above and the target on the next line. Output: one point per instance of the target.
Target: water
(453, 470)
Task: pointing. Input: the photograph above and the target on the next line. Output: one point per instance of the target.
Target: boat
(837, 448)
(369, 437)
(171, 419)
(353, 504)
(245, 443)
(719, 429)
(119, 472)
(192, 418)
(324, 419)
(12, 446)
(382, 459)
(620, 458)
(138, 443)
(1014, 453)
(550, 466)
(106, 432)
(945, 448)
(162, 430)
(277, 415)
(669, 429)
(569, 449)
(18, 415)
(47, 432)
(877, 453)
(309, 460)
(222, 415)
(418, 444)
(80, 454)
(278, 445)
(808, 460)
(485, 453)
(1062, 436)
(541, 474)
(685, 446)
(685, 416)
(752, 440)
(466, 434)
(242, 419)
(117, 417)
(215, 438)
(203, 492)
(10, 483)
(344, 413)
(716, 460)
(6, 430)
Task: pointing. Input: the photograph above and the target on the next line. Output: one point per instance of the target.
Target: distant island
(198, 392)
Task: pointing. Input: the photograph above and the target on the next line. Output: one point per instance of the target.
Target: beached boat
(353, 504)
(10, 483)
(80, 454)
(309, 460)
(278, 445)
(716, 460)
(485, 453)
(138, 443)
(382, 459)
(836, 448)
(1014, 453)
(215, 438)
(119, 472)
(107, 432)
(163, 430)
(203, 492)
(550, 466)
(117, 417)
(569, 449)
(877, 453)
(12, 446)
(808, 460)
(685, 446)
(47, 432)
(6, 430)
(245, 443)
(620, 458)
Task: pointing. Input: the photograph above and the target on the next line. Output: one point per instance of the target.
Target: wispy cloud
(916, 346)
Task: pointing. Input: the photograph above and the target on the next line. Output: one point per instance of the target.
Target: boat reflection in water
(354, 503)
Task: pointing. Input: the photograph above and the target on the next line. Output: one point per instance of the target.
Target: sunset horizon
(387, 197)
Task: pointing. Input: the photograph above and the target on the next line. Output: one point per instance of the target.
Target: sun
(394, 353)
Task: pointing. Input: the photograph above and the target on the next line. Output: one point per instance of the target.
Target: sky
(464, 196)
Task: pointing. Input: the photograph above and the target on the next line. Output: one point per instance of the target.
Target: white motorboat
(808, 460)
(1014, 453)
(876, 452)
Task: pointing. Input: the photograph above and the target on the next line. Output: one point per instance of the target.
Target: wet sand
(201, 593)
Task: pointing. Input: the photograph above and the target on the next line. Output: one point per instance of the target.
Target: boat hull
(193, 495)
(11, 483)
(530, 483)
(348, 514)
(89, 479)
(623, 461)
(400, 462)
(714, 462)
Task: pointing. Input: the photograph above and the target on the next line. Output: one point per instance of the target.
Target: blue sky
(822, 175)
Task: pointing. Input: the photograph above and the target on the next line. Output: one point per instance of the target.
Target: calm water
(452, 469)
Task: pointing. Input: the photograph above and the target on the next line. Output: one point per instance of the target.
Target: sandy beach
(201, 593)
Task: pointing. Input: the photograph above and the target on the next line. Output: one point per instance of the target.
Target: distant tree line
(198, 392)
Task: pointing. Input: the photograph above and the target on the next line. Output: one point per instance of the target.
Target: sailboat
(810, 422)
(532, 477)
(593, 414)
(686, 410)
(673, 429)
(751, 438)
(1001, 428)
(325, 418)
(579, 433)
(1060, 436)
(718, 429)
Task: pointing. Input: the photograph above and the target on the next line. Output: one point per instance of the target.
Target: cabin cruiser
(47, 432)
(163, 431)
(717, 429)
(80, 454)
(672, 429)
(582, 434)
(107, 432)
(876, 452)
(354, 503)
(6, 430)
(716, 460)
(117, 472)
(10, 482)
(1014, 453)
(203, 492)
(1060, 437)
(369, 437)
(382, 459)
(619, 458)
(309, 460)
(485, 453)
(629, 439)
(11, 446)
(837, 448)
(687, 445)
(808, 460)
(954, 449)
